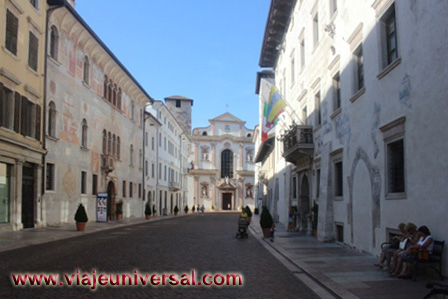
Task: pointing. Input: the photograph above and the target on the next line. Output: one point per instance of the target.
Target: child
(271, 234)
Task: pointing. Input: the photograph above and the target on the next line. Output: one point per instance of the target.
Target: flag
(273, 106)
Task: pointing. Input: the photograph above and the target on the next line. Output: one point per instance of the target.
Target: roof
(276, 25)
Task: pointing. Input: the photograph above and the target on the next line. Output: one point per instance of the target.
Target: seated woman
(410, 238)
(389, 250)
(424, 244)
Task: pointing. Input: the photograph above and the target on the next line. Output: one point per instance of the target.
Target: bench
(434, 258)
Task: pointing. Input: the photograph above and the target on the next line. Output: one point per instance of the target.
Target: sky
(206, 50)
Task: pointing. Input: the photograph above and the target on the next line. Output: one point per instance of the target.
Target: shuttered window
(12, 25)
(32, 51)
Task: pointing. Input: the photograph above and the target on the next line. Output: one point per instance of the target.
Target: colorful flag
(273, 106)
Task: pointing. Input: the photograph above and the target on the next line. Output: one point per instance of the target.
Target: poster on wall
(101, 207)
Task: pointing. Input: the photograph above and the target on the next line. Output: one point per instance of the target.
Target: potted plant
(213, 207)
(249, 214)
(119, 210)
(193, 209)
(81, 218)
(266, 221)
(176, 210)
(148, 211)
(186, 209)
(154, 211)
(256, 211)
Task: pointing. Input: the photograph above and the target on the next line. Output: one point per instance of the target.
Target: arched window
(84, 133)
(85, 74)
(109, 91)
(132, 110)
(131, 155)
(204, 133)
(119, 99)
(52, 120)
(114, 145)
(109, 143)
(118, 148)
(114, 95)
(104, 142)
(227, 163)
(54, 42)
(105, 95)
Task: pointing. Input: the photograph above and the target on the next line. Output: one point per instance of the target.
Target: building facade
(361, 138)
(94, 124)
(22, 36)
(221, 165)
(171, 149)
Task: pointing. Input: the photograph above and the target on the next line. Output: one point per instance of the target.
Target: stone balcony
(298, 143)
(174, 186)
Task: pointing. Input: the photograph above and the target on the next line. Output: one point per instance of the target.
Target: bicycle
(438, 291)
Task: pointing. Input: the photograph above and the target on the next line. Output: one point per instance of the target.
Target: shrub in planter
(81, 218)
(186, 209)
(176, 210)
(119, 210)
(256, 211)
(266, 221)
(148, 211)
(249, 214)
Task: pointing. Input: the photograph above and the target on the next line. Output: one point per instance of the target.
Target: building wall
(77, 99)
(21, 151)
(401, 100)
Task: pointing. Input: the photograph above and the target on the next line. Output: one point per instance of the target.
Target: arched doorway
(304, 202)
(110, 199)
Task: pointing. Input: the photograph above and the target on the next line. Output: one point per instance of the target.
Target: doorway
(227, 201)
(304, 202)
(28, 196)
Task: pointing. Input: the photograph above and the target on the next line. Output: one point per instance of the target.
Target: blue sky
(207, 50)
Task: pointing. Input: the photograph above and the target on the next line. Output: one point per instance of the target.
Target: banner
(273, 106)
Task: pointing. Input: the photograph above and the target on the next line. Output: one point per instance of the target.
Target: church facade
(221, 165)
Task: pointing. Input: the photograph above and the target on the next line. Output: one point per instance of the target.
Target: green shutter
(17, 106)
(23, 128)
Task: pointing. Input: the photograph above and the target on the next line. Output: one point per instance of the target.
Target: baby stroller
(242, 228)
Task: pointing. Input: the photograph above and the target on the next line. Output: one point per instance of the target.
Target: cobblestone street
(205, 243)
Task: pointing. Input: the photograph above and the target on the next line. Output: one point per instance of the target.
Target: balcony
(298, 143)
(107, 163)
(173, 186)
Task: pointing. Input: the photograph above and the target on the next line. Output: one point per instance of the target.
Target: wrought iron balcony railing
(297, 143)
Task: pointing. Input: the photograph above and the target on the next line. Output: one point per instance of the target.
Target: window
(338, 179)
(30, 118)
(337, 91)
(32, 51)
(84, 133)
(119, 99)
(131, 191)
(124, 189)
(12, 26)
(54, 42)
(178, 103)
(316, 29)
(146, 139)
(104, 142)
(50, 177)
(333, 6)
(164, 173)
(94, 184)
(35, 3)
(160, 171)
(105, 88)
(114, 145)
(146, 168)
(317, 183)
(294, 187)
(152, 143)
(227, 163)
(109, 143)
(132, 110)
(293, 71)
(131, 155)
(85, 74)
(7, 108)
(390, 34)
(139, 190)
(52, 119)
(152, 170)
(140, 159)
(302, 53)
(359, 65)
(317, 109)
(114, 95)
(118, 148)
(304, 115)
(83, 182)
(395, 167)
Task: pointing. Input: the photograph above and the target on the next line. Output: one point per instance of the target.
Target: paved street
(204, 243)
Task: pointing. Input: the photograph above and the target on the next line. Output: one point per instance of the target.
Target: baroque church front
(221, 164)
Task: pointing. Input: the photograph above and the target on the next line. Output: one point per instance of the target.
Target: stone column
(17, 203)
(39, 207)
(240, 156)
(213, 153)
